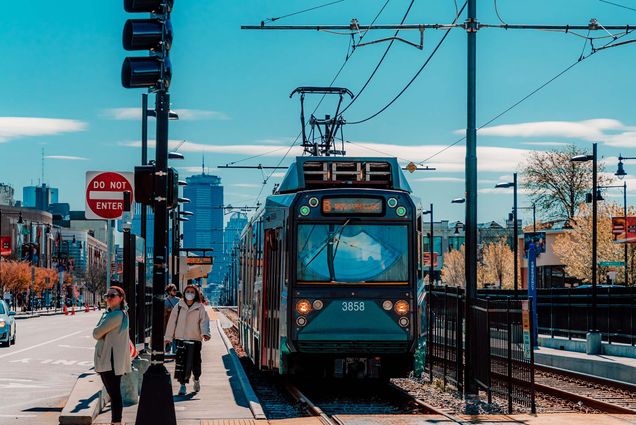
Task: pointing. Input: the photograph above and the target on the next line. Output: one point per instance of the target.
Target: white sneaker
(197, 386)
(182, 390)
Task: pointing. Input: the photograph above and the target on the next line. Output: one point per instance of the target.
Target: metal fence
(446, 315)
(504, 362)
(567, 312)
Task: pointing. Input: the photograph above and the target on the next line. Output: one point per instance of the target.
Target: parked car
(7, 325)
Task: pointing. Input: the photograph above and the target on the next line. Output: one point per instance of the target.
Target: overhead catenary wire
(618, 5)
(529, 95)
(333, 80)
(417, 74)
(497, 12)
(302, 11)
(386, 51)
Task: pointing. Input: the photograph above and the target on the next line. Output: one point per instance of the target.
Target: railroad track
(346, 399)
(603, 395)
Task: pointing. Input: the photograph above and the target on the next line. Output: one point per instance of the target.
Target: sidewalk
(221, 396)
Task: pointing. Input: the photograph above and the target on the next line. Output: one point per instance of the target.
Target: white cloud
(66, 157)
(15, 127)
(606, 130)
(549, 144)
(504, 191)
(184, 114)
(490, 158)
(439, 179)
(245, 185)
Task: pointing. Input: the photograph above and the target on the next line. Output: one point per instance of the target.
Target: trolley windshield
(352, 253)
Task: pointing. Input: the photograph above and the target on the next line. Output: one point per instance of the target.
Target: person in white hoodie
(189, 323)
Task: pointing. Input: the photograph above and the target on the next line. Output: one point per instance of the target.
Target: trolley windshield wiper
(325, 243)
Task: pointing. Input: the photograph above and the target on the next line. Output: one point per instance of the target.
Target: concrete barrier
(85, 401)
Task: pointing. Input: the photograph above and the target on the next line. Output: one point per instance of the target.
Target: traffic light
(145, 184)
(153, 34)
(173, 189)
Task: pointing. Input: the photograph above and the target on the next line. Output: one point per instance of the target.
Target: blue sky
(61, 91)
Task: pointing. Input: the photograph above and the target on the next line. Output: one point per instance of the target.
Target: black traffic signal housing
(173, 189)
(153, 34)
(145, 184)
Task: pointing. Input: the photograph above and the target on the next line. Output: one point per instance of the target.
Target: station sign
(105, 194)
(527, 337)
(191, 261)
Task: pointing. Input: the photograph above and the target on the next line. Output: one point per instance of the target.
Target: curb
(44, 314)
(248, 391)
(86, 400)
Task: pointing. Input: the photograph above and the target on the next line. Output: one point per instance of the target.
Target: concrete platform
(221, 400)
(612, 367)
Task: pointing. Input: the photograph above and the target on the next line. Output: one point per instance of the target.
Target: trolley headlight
(387, 305)
(318, 305)
(392, 202)
(301, 321)
(403, 321)
(401, 307)
(400, 211)
(2, 324)
(303, 307)
(313, 202)
(305, 210)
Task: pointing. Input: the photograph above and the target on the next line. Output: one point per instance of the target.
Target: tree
(453, 271)
(498, 264)
(95, 278)
(556, 184)
(575, 246)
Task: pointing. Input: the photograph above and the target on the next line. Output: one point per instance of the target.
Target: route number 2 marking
(353, 306)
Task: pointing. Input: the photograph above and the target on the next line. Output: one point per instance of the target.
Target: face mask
(189, 296)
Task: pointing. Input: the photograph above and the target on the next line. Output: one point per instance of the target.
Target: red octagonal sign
(105, 194)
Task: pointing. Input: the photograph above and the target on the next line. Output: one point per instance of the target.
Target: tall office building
(205, 227)
(233, 229)
(6, 195)
(39, 197)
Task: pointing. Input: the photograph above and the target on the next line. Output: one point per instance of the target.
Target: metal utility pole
(144, 161)
(594, 237)
(625, 218)
(470, 258)
(593, 336)
(515, 233)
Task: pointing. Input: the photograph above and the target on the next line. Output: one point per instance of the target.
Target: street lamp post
(593, 336)
(515, 232)
(430, 246)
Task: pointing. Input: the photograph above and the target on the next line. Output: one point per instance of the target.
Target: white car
(7, 325)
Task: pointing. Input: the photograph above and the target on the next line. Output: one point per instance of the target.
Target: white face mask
(189, 296)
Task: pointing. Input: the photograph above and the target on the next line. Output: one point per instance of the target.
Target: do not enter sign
(105, 194)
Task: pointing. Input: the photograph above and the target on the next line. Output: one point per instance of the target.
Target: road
(39, 371)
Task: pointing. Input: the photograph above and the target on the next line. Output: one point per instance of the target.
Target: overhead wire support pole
(470, 257)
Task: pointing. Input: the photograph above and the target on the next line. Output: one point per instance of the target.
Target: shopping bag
(184, 360)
